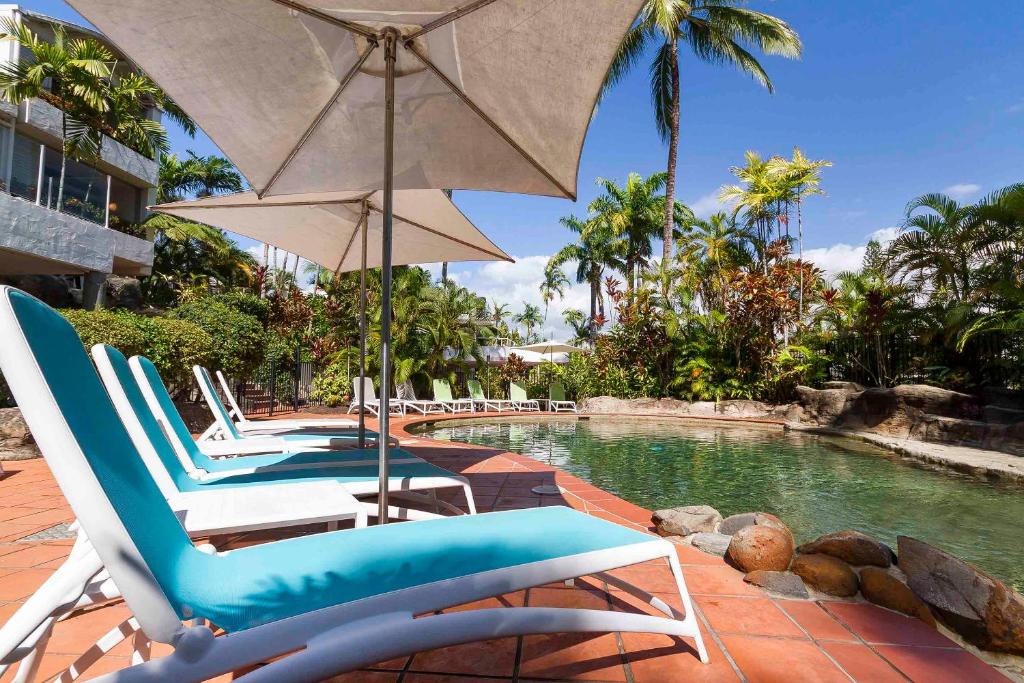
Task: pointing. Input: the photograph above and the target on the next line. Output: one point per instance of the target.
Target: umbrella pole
(390, 48)
(362, 333)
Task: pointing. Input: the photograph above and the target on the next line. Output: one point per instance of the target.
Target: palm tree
(717, 32)
(633, 213)
(580, 324)
(554, 283)
(68, 73)
(447, 321)
(594, 250)
(211, 175)
(129, 97)
(529, 318)
(937, 247)
(721, 242)
(801, 177)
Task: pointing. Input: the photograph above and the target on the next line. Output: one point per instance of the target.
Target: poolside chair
(371, 403)
(225, 429)
(476, 393)
(247, 426)
(407, 396)
(309, 607)
(443, 395)
(518, 399)
(557, 402)
(141, 398)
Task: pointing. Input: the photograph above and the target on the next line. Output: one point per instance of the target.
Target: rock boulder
(711, 543)
(852, 547)
(123, 292)
(734, 523)
(826, 574)
(786, 584)
(686, 520)
(889, 589)
(761, 547)
(979, 607)
(16, 442)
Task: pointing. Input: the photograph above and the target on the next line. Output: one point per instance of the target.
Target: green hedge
(238, 339)
(174, 346)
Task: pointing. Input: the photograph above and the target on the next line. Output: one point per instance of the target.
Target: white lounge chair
(247, 426)
(443, 395)
(519, 400)
(557, 402)
(141, 397)
(367, 399)
(224, 427)
(407, 397)
(476, 392)
(313, 606)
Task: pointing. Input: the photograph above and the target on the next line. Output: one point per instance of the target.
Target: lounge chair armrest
(221, 449)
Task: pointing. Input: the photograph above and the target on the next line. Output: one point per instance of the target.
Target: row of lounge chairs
(299, 609)
(444, 402)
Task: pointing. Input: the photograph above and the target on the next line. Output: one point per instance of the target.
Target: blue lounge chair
(313, 606)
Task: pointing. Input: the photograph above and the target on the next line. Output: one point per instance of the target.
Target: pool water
(816, 484)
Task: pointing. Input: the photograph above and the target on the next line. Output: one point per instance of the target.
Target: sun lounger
(226, 429)
(519, 400)
(306, 608)
(476, 393)
(370, 403)
(247, 426)
(443, 395)
(407, 397)
(163, 439)
(557, 402)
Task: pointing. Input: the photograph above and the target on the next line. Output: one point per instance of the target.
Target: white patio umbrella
(550, 347)
(333, 229)
(327, 95)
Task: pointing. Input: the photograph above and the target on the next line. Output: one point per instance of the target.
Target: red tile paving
(749, 635)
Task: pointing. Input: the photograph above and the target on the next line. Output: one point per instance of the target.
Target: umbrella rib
(449, 18)
(359, 226)
(488, 120)
(420, 226)
(358, 29)
(319, 118)
(160, 208)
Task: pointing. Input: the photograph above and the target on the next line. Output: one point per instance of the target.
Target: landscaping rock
(711, 543)
(852, 547)
(890, 590)
(848, 387)
(675, 407)
(683, 521)
(979, 607)
(734, 523)
(761, 547)
(785, 584)
(16, 442)
(826, 574)
(123, 292)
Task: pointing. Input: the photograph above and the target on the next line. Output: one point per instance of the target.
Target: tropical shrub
(173, 345)
(332, 385)
(247, 303)
(238, 339)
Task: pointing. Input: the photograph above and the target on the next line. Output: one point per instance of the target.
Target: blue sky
(904, 98)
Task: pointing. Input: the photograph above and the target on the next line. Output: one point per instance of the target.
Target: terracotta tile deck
(750, 636)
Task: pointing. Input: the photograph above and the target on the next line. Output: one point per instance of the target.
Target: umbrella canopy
(324, 228)
(489, 94)
(550, 347)
(341, 95)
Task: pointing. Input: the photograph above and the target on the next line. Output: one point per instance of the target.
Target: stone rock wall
(751, 410)
(16, 442)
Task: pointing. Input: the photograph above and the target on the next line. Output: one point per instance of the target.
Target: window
(125, 203)
(24, 167)
(85, 192)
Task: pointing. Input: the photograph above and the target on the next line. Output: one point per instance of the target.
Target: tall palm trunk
(63, 162)
(444, 273)
(800, 242)
(295, 271)
(673, 153)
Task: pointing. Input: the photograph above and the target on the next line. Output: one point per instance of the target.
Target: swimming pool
(816, 484)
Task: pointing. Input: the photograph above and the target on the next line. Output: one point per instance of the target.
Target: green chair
(519, 400)
(557, 403)
(443, 395)
(476, 393)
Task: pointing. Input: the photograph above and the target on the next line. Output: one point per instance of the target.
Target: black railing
(990, 360)
(276, 387)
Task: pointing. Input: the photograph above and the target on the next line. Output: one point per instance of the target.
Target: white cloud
(840, 257)
(962, 190)
(708, 204)
(1016, 108)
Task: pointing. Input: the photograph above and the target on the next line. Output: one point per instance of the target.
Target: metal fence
(276, 387)
(991, 360)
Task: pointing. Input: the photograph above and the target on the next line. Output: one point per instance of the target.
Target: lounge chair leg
(433, 499)
(28, 668)
(140, 648)
(684, 595)
(470, 502)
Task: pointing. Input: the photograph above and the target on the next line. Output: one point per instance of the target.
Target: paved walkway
(749, 635)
